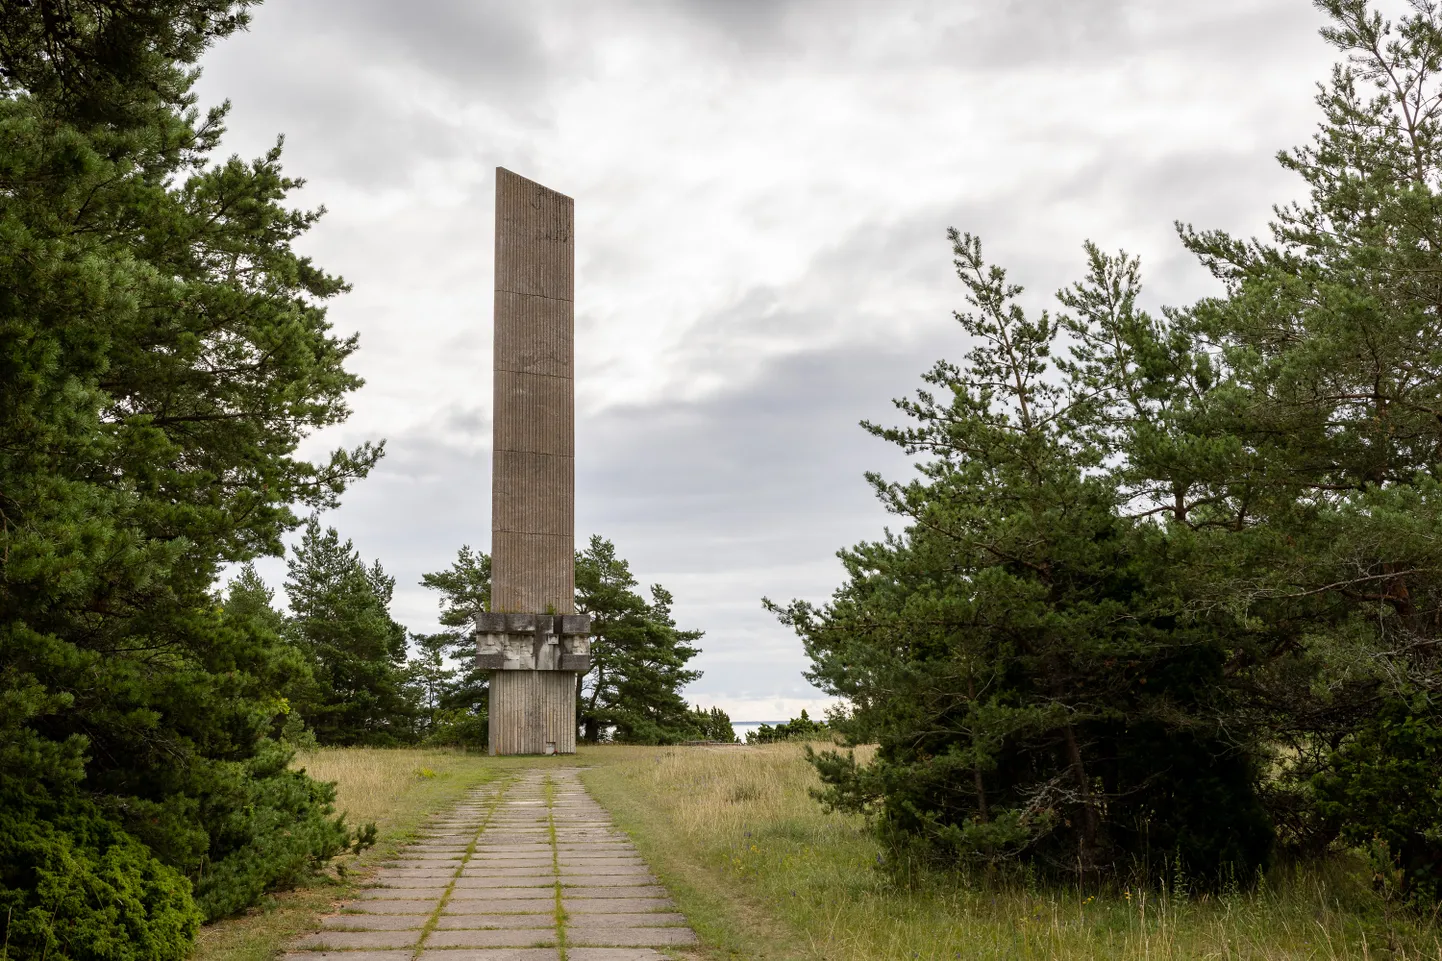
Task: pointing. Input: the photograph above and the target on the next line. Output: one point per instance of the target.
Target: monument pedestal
(534, 660)
(533, 712)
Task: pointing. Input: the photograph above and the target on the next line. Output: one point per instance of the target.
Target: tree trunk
(1089, 844)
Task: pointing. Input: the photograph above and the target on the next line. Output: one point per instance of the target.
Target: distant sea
(741, 727)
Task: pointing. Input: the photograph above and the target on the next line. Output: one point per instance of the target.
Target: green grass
(395, 788)
(764, 873)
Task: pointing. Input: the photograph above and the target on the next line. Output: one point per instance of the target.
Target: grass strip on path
(435, 918)
(556, 866)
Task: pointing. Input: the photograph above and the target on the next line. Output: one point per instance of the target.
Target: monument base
(532, 712)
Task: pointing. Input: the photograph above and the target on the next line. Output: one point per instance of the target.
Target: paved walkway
(532, 871)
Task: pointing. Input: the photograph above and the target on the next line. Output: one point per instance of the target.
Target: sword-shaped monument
(531, 641)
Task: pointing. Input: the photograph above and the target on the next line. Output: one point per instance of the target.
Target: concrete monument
(531, 641)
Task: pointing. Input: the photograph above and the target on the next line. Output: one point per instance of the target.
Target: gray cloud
(748, 492)
(762, 194)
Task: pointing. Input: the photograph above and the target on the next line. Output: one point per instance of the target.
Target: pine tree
(340, 620)
(1017, 652)
(249, 605)
(1308, 475)
(431, 680)
(712, 724)
(638, 654)
(465, 591)
(163, 351)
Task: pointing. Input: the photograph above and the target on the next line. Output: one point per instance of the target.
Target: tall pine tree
(638, 654)
(163, 351)
(340, 620)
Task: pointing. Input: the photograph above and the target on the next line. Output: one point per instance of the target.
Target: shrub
(271, 829)
(75, 887)
(797, 729)
(1383, 792)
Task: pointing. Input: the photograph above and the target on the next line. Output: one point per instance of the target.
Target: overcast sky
(762, 194)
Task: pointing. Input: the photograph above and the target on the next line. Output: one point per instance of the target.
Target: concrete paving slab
(609, 905)
(383, 883)
(513, 938)
(492, 954)
(413, 859)
(374, 922)
(505, 894)
(457, 922)
(333, 940)
(509, 881)
(606, 861)
(500, 906)
(586, 935)
(417, 906)
(614, 954)
(429, 892)
(618, 891)
(348, 955)
(652, 919)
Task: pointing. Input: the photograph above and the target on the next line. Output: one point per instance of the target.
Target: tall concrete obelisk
(531, 641)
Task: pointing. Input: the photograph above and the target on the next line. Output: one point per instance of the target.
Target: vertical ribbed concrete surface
(533, 454)
(533, 480)
(533, 712)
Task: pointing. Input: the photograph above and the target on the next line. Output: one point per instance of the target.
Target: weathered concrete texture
(317, 955)
(533, 712)
(533, 472)
(533, 469)
(492, 954)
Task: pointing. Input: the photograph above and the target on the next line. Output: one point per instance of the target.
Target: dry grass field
(765, 873)
(370, 783)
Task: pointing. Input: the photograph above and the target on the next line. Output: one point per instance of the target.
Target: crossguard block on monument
(533, 642)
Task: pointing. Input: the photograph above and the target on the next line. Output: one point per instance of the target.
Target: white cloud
(762, 190)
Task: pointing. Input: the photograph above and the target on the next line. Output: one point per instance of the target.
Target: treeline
(801, 728)
(1168, 601)
(364, 682)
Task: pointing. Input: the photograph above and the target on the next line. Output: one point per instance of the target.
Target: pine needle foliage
(163, 351)
(1170, 586)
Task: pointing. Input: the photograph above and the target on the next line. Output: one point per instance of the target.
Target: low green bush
(797, 729)
(272, 829)
(75, 887)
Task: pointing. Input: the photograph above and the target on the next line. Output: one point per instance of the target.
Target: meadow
(763, 872)
(738, 838)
